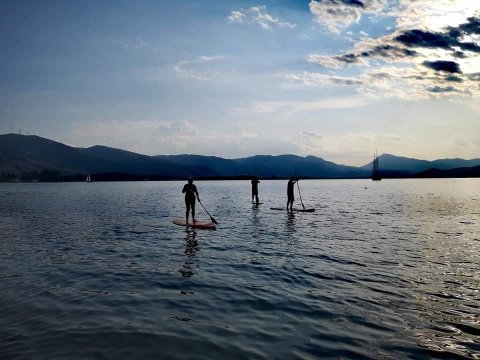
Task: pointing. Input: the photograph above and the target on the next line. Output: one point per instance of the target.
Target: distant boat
(376, 170)
(88, 179)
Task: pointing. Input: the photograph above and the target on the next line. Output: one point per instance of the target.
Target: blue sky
(336, 79)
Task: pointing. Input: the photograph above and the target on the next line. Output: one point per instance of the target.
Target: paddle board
(196, 224)
(294, 209)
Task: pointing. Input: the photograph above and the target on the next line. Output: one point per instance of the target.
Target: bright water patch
(381, 270)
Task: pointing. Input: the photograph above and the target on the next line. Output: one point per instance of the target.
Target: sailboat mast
(375, 171)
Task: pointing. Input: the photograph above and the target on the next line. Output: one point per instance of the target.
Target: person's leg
(256, 199)
(193, 211)
(187, 204)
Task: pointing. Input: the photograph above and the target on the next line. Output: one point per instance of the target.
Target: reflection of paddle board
(196, 224)
(300, 210)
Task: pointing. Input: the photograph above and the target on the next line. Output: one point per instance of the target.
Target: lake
(387, 269)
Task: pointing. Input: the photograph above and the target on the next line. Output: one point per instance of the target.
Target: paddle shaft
(299, 193)
(211, 217)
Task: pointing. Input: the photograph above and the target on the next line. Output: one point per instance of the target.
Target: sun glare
(437, 15)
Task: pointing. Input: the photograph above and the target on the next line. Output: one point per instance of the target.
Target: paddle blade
(213, 220)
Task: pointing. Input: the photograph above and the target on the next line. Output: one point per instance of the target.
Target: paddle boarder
(190, 191)
(255, 183)
(290, 192)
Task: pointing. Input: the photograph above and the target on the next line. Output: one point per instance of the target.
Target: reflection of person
(255, 183)
(190, 191)
(188, 268)
(290, 196)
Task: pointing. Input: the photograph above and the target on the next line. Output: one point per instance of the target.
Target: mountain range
(25, 157)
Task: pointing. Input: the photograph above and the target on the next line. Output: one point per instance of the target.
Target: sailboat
(376, 170)
(88, 179)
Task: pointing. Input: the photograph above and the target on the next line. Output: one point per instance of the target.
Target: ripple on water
(99, 271)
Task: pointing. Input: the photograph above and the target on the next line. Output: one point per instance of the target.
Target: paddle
(299, 193)
(212, 219)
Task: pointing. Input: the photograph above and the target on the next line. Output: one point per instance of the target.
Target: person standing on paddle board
(190, 191)
(290, 192)
(255, 183)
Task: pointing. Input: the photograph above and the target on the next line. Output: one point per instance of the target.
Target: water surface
(384, 269)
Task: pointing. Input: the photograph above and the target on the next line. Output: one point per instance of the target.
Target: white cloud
(336, 15)
(195, 69)
(434, 14)
(258, 15)
(412, 82)
(312, 79)
(289, 108)
(236, 17)
(430, 54)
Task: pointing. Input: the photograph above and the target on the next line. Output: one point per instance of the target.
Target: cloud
(236, 17)
(311, 135)
(350, 147)
(335, 15)
(311, 78)
(363, 55)
(289, 108)
(181, 128)
(405, 45)
(434, 15)
(439, 57)
(448, 41)
(408, 82)
(155, 137)
(438, 89)
(445, 66)
(258, 15)
(193, 69)
(413, 83)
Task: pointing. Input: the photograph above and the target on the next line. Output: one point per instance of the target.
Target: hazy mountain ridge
(473, 171)
(22, 154)
(388, 162)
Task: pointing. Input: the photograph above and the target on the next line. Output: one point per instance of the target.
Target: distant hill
(33, 157)
(20, 154)
(463, 172)
(268, 166)
(205, 165)
(409, 166)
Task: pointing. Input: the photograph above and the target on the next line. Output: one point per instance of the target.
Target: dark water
(98, 271)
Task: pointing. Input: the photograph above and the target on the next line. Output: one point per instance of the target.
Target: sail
(376, 170)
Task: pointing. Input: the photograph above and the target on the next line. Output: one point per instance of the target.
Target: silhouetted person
(255, 183)
(290, 193)
(190, 191)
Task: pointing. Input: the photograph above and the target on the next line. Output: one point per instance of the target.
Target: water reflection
(255, 221)
(290, 224)
(191, 248)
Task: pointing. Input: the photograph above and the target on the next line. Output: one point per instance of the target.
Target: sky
(337, 79)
